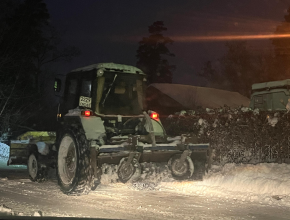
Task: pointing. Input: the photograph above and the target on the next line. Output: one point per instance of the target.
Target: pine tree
(282, 49)
(151, 54)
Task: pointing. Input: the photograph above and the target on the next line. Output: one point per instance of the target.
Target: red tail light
(86, 113)
(154, 116)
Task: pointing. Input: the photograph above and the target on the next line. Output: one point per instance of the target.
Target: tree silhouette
(151, 54)
(27, 42)
(239, 68)
(282, 49)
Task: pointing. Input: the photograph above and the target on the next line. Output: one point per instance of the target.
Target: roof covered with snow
(192, 96)
(272, 84)
(111, 67)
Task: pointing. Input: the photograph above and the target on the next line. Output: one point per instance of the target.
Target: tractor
(102, 119)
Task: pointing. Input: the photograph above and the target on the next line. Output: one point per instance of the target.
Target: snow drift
(266, 182)
(4, 156)
(262, 183)
(4, 151)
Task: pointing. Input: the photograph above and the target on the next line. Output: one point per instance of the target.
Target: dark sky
(109, 31)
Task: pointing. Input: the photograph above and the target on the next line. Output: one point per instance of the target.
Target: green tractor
(102, 118)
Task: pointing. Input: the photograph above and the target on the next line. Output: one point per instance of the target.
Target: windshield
(120, 96)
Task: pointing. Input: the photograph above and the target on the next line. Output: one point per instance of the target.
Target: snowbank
(266, 178)
(4, 156)
(267, 182)
(4, 151)
(152, 174)
(5, 211)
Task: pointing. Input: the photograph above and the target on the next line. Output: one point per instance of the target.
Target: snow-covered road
(230, 192)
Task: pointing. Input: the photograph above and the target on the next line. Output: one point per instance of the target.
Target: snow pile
(43, 148)
(4, 156)
(270, 179)
(267, 182)
(263, 183)
(4, 151)
(152, 174)
(109, 174)
(5, 210)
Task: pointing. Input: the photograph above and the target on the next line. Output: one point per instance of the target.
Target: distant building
(167, 98)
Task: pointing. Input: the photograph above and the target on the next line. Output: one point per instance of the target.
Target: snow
(4, 151)
(173, 138)
(288, 106)
(264, 183)
(272, 120)
(42, 148)
(233, 187)
(4, 155)
(193, 96)
(270, 179)
(5, 211)
(245, 109)
(267, 183)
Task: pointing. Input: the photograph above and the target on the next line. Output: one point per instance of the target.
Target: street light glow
(227, 37)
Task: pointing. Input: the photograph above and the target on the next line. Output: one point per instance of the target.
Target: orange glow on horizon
(227, 37)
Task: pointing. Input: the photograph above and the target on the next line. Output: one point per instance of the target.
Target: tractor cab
(113, 92)
(106, 89)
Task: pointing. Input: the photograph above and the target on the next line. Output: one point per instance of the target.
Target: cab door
(78, 91)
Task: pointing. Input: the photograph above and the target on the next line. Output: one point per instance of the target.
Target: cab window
(86, 88)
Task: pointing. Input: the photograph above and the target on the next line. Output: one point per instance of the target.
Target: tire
(182, 172)
(74, 171)
(36, 172)
(130, 174)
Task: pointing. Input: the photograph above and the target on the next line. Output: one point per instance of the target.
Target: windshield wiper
(110, 87)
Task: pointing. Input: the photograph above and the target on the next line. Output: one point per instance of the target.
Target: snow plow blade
(157, 147)
(194, 156)
(21, 147)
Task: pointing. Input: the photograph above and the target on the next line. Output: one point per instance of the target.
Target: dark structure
(167, 98)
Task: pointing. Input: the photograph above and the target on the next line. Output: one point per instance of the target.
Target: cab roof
(112, 67)
(271, 85)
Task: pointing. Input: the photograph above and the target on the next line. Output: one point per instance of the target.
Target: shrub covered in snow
(237, 135)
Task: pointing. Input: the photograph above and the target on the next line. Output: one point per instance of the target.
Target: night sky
(109, 31)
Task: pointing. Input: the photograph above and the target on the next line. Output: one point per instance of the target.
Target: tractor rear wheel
(181, 170)
(129, 172)
(74, 171)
